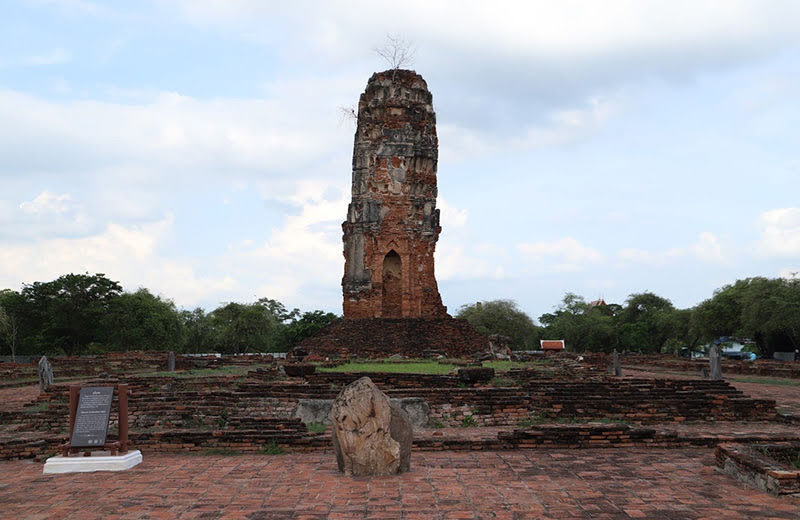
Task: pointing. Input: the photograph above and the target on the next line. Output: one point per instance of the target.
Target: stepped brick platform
(241, 434)
(382, 337)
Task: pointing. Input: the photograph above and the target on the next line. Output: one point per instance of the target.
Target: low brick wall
(748, 464)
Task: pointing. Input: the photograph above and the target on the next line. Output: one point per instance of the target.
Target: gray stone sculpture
(370, 435)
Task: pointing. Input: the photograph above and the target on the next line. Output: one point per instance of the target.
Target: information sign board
(91, 419)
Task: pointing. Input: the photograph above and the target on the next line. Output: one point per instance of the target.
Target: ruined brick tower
(392, 222)
(391, 301)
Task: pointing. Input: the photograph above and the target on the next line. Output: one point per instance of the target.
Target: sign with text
(91, 419)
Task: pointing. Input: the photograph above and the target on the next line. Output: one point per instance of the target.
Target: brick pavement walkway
(615, 483)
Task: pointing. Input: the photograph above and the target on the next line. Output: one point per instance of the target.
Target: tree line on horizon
(80, 314)
(764, 312)
(91, 314)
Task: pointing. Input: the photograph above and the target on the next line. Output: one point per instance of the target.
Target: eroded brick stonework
(392, 222)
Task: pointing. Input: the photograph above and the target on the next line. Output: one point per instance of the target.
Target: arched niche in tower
(392, 294)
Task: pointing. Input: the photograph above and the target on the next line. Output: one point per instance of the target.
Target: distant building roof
(598, 303)
(552, 344)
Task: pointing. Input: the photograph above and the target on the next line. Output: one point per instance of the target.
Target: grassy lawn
(502, 366)
(201, 372)
(407, 367)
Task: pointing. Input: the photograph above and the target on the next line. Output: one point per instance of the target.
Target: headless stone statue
(715, 362)
(45, 374)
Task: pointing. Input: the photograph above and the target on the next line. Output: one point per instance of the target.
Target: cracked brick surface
(620, 483)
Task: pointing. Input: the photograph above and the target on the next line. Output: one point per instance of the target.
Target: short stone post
(45, 374)
(171, 361)
(715, 362)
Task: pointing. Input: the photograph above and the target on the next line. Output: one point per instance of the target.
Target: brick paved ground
(616, 483)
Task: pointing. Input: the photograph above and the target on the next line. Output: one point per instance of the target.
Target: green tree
(278, 310)
(647, 322)
(9, 323)
(762, 309)
(306, 326)
(771, 314)
(240, 328)
(142, 321)
(502, 317)
(198, 331)
(67, 314)
(721, 315)
(582, 326)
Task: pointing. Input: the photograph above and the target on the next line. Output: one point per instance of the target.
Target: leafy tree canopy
(502, 317)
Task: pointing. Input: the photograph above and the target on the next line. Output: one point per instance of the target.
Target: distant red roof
(552, 344)
(598, 303)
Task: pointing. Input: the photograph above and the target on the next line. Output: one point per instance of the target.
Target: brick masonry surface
(523, 484)
(392, 222)
(381, 337)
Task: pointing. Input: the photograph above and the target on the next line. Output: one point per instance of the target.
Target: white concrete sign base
(99, 461)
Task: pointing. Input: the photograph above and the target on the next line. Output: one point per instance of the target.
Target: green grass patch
(503, 382)
(272, 448)
(36, 408)
(235, 370)
(405, 367)
(316, 427)
(789, 457)
(468, 421)
(503, 366)
(221, 451)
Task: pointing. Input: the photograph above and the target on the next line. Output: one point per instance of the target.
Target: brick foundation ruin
(256, 410)
(391, 231)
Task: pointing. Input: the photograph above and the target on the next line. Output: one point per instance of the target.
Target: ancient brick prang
(392, 222)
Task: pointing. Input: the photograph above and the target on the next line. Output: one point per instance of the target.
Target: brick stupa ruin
(391, 300)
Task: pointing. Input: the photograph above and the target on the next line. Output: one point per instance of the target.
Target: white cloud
(305, 252)
(451, 217)
(169, 132)
(47, 215)
(707, 248)
(641, 256)
(125, 253)
(790, 273)
(454, 262)
(780, 234)
(560, 126)
(567, 125)
(564, 254)
(47, 202)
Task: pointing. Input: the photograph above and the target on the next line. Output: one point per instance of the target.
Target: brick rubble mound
(382, 337)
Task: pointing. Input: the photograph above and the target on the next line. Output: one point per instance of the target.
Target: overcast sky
(197, 147)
